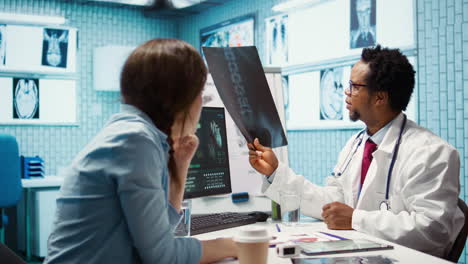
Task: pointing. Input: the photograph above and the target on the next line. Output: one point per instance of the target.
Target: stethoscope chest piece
(384, 206)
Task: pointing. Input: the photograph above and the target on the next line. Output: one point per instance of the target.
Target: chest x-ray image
(277, 40)
(331, 94)
(2, 45)
(362, 25)
(285, 82)
(55, 47)
(25, 98)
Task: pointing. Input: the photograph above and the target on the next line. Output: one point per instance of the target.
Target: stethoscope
(384, 205)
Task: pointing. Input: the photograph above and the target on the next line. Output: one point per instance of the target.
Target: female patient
(122, 194)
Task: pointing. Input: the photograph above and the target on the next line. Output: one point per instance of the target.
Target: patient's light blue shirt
(113, 205)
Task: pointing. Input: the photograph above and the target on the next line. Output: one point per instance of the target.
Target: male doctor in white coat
(419, 207)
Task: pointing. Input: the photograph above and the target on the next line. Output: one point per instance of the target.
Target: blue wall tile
(98, 25)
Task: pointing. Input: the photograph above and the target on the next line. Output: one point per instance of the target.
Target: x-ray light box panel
(108, 63)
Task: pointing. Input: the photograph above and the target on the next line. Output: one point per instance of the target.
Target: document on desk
(378, 259)
(340, 246)
(284, 237)
(240, 80)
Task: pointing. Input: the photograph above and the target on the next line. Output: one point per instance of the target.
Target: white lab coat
(423, 192)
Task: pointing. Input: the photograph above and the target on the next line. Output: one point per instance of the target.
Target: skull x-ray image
(25, 98)
(331, 94)
(277, 40)
(55, 47)
(362, 26)
(2, 45)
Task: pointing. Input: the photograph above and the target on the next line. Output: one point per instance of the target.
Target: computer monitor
(209, 170)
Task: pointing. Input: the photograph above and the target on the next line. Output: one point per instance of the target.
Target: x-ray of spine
(277, 40)
(243, 88)
(331, 94)
(362, 24)
(25, 98)
(55, 48)
(2, 45)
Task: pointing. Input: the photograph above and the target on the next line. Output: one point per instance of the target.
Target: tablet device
(340, 246)
(345, 260)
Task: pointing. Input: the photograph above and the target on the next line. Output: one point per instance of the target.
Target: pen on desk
(278, 228)
(335, 236)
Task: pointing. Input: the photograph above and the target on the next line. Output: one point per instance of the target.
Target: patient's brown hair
(162, 78)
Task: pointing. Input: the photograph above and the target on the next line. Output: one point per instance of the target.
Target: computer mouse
(260, 216)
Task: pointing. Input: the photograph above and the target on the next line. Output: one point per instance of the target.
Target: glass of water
(290, 202)
(183, 229)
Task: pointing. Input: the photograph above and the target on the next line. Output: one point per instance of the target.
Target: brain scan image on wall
(55, 48)
(362, 25)
(2, 45)
(331, 94)
(25, 98)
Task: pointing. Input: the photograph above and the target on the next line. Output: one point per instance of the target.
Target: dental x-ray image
(277, 40)
(2, 45)
(55, 47)
(331, 94)
(25, 98)
(362, 25)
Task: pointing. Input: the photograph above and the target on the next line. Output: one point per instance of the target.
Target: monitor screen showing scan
(209, 170)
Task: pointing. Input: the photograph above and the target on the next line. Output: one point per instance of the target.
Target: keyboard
(212, 222)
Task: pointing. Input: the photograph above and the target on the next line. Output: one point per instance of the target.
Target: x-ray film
(238, 75)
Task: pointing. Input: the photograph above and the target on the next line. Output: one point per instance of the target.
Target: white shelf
(47, 181)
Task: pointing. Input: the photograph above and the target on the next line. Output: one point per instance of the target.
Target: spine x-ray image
(240, 80)
(331, 94)
(362, 25)
(2, 44)
(25, 98)
(55, 48)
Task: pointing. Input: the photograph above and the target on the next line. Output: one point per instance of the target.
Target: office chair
(8, 256)
(459, 244)
(10, 178)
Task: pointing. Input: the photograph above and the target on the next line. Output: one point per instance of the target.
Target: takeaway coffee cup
(252, 242)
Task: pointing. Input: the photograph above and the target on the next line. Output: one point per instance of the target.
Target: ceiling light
(130, 2)
(177, 4)
(293, 4)
(11, 18)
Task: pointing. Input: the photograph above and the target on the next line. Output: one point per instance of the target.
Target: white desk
(400, 253)
(30, 185)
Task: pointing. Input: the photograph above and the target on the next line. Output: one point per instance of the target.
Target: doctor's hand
(338, 216)
(261, 158)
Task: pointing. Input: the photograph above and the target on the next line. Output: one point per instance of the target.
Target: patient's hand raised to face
(184, 149)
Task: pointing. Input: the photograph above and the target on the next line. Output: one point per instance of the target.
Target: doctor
(394, 180)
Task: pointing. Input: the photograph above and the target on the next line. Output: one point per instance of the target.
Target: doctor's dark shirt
(113, 205)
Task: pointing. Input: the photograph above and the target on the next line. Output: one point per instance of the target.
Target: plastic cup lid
(252, 234)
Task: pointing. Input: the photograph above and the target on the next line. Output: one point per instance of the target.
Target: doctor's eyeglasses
(352, 84)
